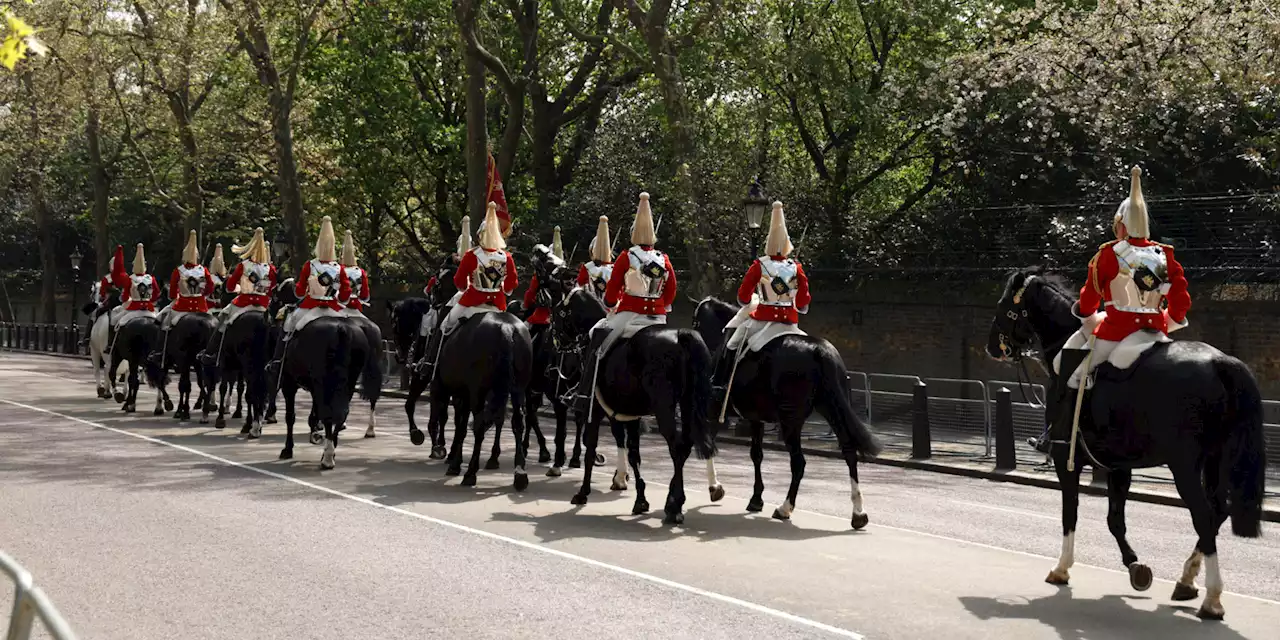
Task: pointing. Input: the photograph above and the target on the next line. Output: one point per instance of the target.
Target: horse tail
(1245, 447)
(502, 384)
(833, 390)
(697, 393)
(371, 377)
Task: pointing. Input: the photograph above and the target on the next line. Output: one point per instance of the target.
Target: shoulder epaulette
(1163, 245)
(1107, 244)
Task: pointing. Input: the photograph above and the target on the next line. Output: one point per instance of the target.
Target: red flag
(495, 194)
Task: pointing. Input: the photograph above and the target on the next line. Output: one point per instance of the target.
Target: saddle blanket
(350, 312)
(755, 333)
(120, 316)
(169, 317)
(624, 324)
(458, 313)
(230, 312)
(1121, 356)
(302, 317)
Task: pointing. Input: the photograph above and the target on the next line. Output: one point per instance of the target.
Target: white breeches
(119, 316)
(458, 313)
(229, 313)
(758, 333)
(302, 317)
(169, 317)
(1101, 352)
(624, 324)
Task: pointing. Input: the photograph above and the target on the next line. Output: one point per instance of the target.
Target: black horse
(784, 383)
(650, 374)
(1184, 404)
(327, 357)
(245, 348)
(179, 351)
(134, 341)
(483, 365)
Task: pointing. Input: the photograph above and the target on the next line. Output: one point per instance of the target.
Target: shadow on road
(1110, 616)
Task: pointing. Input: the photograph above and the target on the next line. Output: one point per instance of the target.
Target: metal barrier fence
(30, 602)
(43, 338)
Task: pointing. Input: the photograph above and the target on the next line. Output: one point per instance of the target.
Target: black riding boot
(587, 382)
(209, 357)
(721, 370)
(277, 359)
(426, 366)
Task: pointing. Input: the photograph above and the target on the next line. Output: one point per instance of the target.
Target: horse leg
(520, 432)
(756, 505)
(416, 386)
(680, 451)
(620, 473)
(131, 397)
(784, 510)
(714, 488)
(239, 397)
(330, 444)
(593, 435)
(1069, 483)
(184, 395)
(461, 414)
(1118, 482)
(290, 390)
(562, 425)
(115, 391)
(633, 457)
(575, 460)
(1187, 477)
(477, 432)
(316, 431)
(493, 457)
(544, 454)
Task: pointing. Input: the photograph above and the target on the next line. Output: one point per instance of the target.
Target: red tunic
(647, 306)
(540, 315)
(104, 289)
(250, 299)
(137, 305)
(474, 297)
(307, 302)
(431, 284)
(1096, 294)
(767, 313)
(359, 298)
(584, 278)
(195, 304)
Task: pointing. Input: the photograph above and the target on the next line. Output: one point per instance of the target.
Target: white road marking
(1020, 512)
(843, 519)
(751, 606)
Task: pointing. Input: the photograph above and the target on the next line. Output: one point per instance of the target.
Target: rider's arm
(512, 279)
(749, 283)
(344, 285)
(463, 274)
(173, 285)
(209, 284)
(802, 290)
(234, 281)
(613, 290)
(1179, 298)
(584, 278)
(1102, 268)
(531, 294)
(300, 287)
(366, 292)
(669, 291)
(426, 291)
(155, 290)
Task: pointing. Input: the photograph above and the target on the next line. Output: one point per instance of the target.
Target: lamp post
(75, 287)
(280, 250)
(755, 205)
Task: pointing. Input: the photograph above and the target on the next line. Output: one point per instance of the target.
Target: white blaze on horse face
(856, 496)
(1068, 556)
(1191, 568)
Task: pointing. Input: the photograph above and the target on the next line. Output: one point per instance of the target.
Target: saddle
(1110, 373)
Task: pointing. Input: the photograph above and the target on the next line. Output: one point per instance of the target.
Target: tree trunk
(477, 139)
(40, 211)
(441, 213)
(287, 181)
(191, 176)
(101, 191)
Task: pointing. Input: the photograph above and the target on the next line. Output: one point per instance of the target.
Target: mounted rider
(190, 286)
(102, 294)
(321, 285)
(642, 286)
(140, 293)
(1123, 302)
(218, 271)
(485, 277)
(354, 304)
(594, 274)
(773, 294)
(535, 301)
(252, 281)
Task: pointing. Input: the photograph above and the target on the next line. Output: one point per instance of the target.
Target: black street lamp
(280, 249)
(755, 205)
(75, 287)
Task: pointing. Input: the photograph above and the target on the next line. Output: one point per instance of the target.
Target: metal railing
(30, 602)
(42, 338)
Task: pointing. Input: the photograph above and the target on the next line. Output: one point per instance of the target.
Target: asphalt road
(140, 527)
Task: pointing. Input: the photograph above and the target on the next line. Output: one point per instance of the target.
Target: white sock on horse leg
(1212, 576)
(856, 496)
(1068, 556)
(712, 479)
(1191, 568)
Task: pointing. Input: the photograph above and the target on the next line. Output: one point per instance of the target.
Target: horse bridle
(1016, 335)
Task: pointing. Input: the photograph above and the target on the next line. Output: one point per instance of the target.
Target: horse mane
(417, 306)
(1055, 281)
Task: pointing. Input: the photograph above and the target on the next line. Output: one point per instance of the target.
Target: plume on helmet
(642, 231)
(326, 249)
(778, 242)
(601, 247)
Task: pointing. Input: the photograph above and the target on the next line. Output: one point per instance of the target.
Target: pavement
(141, 527)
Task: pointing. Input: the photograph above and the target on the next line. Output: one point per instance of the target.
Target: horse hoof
(168, 405)
(326, 465)
(370, 433)
(286, 454)
(453, 470)
(618, 486)
(575, 463)
(859, 521)
(417, 438)
(220, 423)
(204, 419)
(469, 480)
(600, 460)
(674, 518)
(235, 416)
(437, 453)
(1140, 576)
(270, 420)
(779, 515)
(158, 412)
(554, 472)
(102, 393)
(544, 456)
(492, 464)
(253, 434)
(1059, 578)
(522, 481)
(641, 506)
(244, 431)
(578, 499)
(1184, 592)
(119, 396)
(717, 493)
(756, 505)
(316, 437)
(1208, 612)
